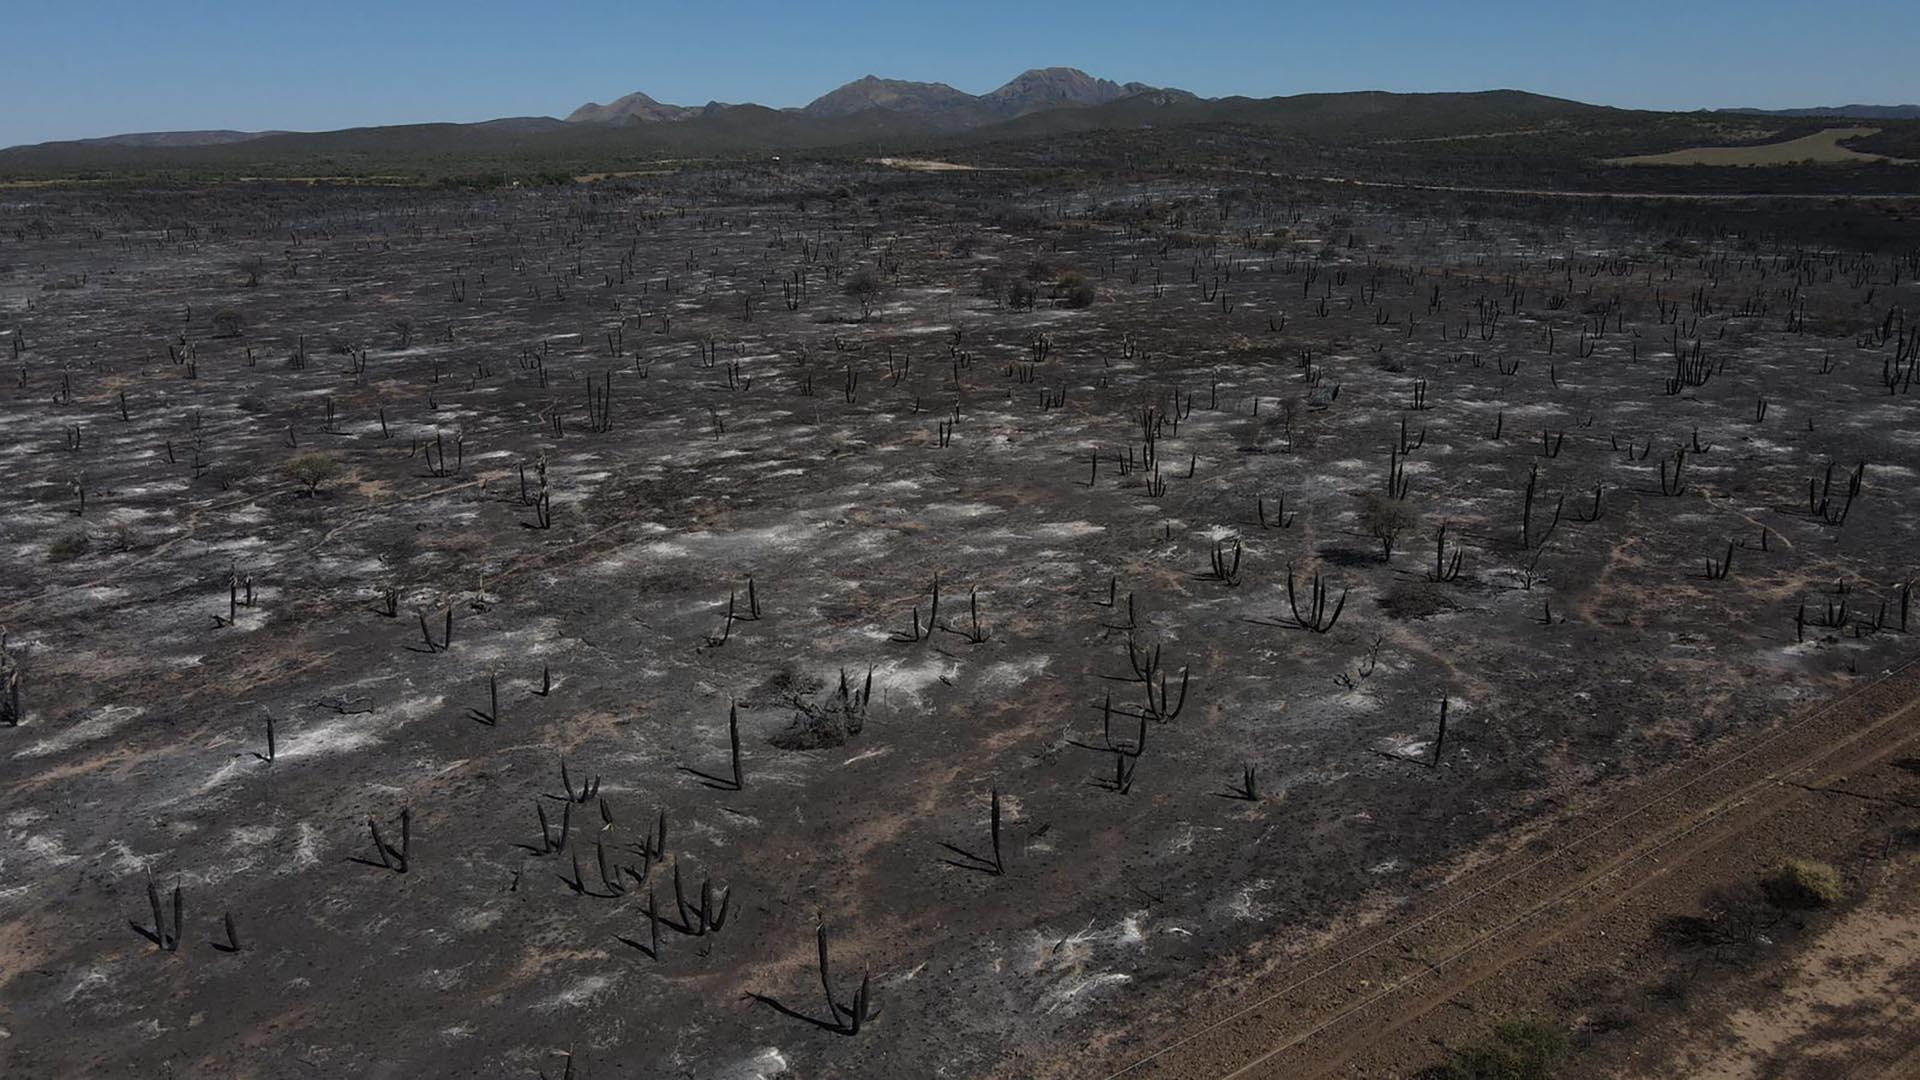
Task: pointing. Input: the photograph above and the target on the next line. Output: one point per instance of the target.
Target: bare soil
(1822, 148)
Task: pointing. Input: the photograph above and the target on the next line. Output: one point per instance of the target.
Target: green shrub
(1073, 289)
(1386, 520)
(67, 548)
(1802, 883)
(1523, 1049)
(310, 469)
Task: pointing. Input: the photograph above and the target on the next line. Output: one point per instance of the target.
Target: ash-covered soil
(582, 426)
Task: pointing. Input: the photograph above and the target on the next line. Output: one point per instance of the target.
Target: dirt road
(1377, 1002)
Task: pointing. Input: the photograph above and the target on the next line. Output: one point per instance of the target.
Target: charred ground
(657, 449)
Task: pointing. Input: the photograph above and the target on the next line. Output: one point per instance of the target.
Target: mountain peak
(634, 106)
(1057, 87)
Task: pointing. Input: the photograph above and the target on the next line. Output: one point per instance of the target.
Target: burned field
(445, 631)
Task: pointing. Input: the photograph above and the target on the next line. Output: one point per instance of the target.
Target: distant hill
(1360, 115)
(899, 95)
(175, 138)
(1845, 112)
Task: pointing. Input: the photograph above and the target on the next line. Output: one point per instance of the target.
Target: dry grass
(1820, 148)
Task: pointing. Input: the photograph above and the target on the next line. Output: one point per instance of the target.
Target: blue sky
(95, 67)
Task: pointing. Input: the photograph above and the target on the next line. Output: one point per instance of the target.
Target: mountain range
(894, 105)
(934, 103)
(883, 116)
(1062, 98)
(872, 107)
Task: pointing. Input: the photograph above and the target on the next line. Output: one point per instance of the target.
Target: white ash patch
(1071, 995)
(1058, 530)
(1410, 748)
(1064, 962)
(1245, 903)
(904, 679)
(224, 774)
(958, 511)
(765, 1064)
(100, 724)
(123, 860)
(87, 982)
(1006, 674)
(353, 732)
(482, 919)
(306, 853)
(46, 850)
(443, 978)
(253, 835)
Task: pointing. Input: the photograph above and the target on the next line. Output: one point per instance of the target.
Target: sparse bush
(1523, 1049)
(1386, 520)
(311, 470)
(227, 323)
(865, 286)
(820, 724)
(68, 547)
(820, 720)
(1022, 295)
(1803, 884)
(1074, 290)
